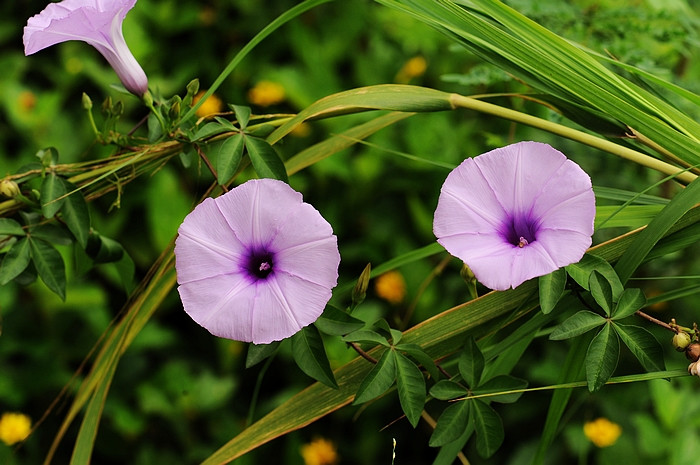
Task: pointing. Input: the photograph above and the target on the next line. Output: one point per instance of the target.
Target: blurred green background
(180, 393)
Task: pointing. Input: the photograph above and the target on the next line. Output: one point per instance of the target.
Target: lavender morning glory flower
(97, 22)
(256, 264)
(516, 213)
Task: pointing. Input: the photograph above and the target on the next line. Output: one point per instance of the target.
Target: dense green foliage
(179, 394)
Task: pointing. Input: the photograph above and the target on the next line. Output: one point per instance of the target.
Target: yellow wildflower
(14, 427)
(391, 287)
(602, 432)
(319, 452)
(266, 93)
(211, 105)
(413, 68)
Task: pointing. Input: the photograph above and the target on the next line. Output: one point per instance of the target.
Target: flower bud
(9, 188)
(360, 290)
(694, 368)
(193, 87)
(692, 352)
(87, 101)
(681, 340)
(174, 111)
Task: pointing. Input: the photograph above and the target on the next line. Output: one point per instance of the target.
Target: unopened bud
(9, 188)
(174, 111)
(107, 105)
(360, 290)
(694, 368)
(467, 274)
(87, 101)
(692, 352)
(193, 87)
(681, 340)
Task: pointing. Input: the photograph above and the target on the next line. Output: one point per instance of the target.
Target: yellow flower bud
(9, 188)
(391, 287)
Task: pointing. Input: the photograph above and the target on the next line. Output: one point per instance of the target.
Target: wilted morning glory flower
(97, 22)
(516, 213)
(256, 264)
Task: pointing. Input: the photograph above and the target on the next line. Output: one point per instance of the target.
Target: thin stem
(256, 390)
(362, 353)
(203, 156)
(573, 134)
(655, 321)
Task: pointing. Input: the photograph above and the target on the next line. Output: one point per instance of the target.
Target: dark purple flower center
(260, 264)
(519, 231)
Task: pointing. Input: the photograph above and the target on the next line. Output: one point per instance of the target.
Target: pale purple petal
(516, 213)
(206, 245)
(285, 305)
(256, 264)
(222, 304)
(97, 22)
(257, 210)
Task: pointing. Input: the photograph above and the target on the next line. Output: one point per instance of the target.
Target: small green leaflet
(49, 265)
(51, 195)
(630, 301)
(579, 323)
(9, 227)
(15, 261)
(411, 386)
(229, 158)
(551, 289)
(310, 355)
(378, 380)
(265, 160)
(643, 345)
(452, 424)
(601, 358)
(601, 290)
(488, 427)
(471, 363)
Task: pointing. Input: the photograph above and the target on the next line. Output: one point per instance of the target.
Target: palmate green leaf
(488, 428)
(336, 322)
(643, 345)
(601, 290)
(229, 158)
(630, 301)
(75, 213)
(51, 233)
(579, 323)
(9, 227)
(601, 358)
(266, 162)
(242, 115)
(551, 289)
(395, 334)
(453, 423)
(657, 228)
(501, 383)
(411, 387)
(52, 195)
(15, 261)
(378, 380)
(259, 352)
(310, 355)
(49, 264)
(471, 363)
(581, 272)
(446, 389)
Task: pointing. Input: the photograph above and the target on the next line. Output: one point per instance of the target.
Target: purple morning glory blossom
(97, 22)
(256, 264)
(515, 213)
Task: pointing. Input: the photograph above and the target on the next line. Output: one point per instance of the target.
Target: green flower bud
(9, 188)
(174, 111)
(193, 87)
(360, 290)
(681, 340)
(87, 101)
